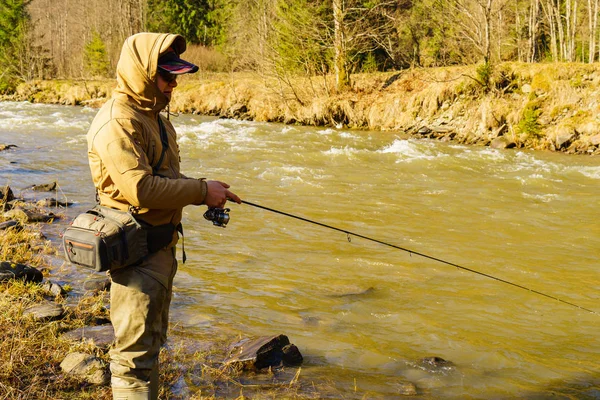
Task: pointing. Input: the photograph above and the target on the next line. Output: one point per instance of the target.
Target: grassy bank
(535, 106)
(31, 350)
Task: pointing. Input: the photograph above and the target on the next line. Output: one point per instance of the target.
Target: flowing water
(362, 313)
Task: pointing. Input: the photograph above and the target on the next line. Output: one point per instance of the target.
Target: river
(363, 313)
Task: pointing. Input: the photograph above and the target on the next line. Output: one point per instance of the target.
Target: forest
(47, 39)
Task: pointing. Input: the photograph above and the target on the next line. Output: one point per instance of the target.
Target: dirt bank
(536, 106)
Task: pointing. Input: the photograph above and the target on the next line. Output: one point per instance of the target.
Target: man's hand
(217, 194)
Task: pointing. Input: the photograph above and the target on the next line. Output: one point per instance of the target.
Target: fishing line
(411, 252)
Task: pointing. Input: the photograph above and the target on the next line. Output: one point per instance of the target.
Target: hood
(136, 69)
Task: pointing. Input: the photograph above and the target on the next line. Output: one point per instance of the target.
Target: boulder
(10, 270)
(87, 367)
(264, 352)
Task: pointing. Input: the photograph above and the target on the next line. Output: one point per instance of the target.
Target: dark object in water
(435, 365)
(264, 352)
(7, 146)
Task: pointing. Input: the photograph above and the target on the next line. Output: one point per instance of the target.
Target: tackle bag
(105, 239)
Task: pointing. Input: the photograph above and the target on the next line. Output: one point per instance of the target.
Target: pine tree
(95, 57)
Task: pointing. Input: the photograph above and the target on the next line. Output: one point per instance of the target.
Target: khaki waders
(140, 296)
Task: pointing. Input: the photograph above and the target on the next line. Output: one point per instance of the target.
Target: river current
(363, 313)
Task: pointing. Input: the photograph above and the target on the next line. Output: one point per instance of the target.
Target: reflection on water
(363, 314)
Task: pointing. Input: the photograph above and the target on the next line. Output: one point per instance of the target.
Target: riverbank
(55, 341)
(534, 106)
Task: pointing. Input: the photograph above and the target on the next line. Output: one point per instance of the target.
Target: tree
(95, 58)
(20, 57)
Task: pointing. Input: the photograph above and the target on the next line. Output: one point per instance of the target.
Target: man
(134, 160)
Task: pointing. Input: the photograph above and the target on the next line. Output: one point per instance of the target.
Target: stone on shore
(87, 367)
(29, 216)
(16, 225)
(10, 270)
(54, 289)
(264, 352)
(96, 284)
(46, 311)
(6, 194)
(102, 336)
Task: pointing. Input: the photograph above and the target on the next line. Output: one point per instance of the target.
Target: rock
(269, 351)
(16, 225)
(502, 143)
(46, 311)
(54, 289)
(424, 130)
(564, 137)
(51, 202)
(526, 88)
(47, 187)
(6, 194)
(435, 365)
(7, 146)
(595, 140)
(406, 389)
(10, 270)
(97, 284)
(86, 366)
(29, 216)
(102, 336)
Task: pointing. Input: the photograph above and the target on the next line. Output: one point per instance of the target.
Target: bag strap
(164, 140)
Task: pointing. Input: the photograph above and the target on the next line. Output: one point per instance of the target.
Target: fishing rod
(223, 216)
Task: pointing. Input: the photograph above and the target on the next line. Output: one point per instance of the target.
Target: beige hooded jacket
(124, 139)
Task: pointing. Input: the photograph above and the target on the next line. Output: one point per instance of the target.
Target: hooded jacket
(124, 141)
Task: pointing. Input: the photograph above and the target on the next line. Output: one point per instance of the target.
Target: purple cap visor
(171, 63)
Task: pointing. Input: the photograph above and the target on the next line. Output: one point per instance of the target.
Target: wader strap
(179, 228)
(164, 140)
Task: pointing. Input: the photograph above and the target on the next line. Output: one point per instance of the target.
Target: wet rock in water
(87, 367)
(436, 365)
(10, 270)
(52, 202)
(264, 352)
(353, 292)
(54, 289)
(7, 146)
(102, 336)
(46, 311)
(97, 284)
(14, 224)
(406, 388)
(46, 187)
(29, 216)
(6, 194)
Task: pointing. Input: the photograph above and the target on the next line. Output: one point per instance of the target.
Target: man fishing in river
(134, 160)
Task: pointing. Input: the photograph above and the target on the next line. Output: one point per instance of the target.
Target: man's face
(166, 82)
